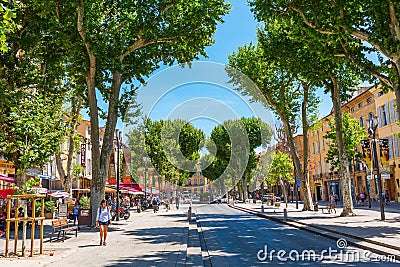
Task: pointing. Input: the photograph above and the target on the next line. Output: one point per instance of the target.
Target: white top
(103, 214)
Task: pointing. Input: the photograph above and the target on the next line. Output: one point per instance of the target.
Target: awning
(6, 179)
(46, 177)
(59, 194)
(40, 190)
(110, 190)
(5, 192)
(131, 189)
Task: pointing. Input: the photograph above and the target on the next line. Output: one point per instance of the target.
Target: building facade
(367, 103)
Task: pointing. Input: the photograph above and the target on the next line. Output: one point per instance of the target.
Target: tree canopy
(173, 147)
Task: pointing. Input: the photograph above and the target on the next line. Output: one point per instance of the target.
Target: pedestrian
(114, 204)
(155, 204)
(103, 220)
(76, 211)
(177, 202)
(387, 199)
(362, 198)
(331, 199)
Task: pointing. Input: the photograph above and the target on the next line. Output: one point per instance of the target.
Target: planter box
(49, 215)
(85, 217)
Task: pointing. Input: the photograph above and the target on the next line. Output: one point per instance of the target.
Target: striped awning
(6, 179)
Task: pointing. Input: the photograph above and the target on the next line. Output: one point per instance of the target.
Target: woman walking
(103, 220)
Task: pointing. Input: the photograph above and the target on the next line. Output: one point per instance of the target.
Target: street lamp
(145, 179)
(373, 125)
(368, 191)
(119, 138)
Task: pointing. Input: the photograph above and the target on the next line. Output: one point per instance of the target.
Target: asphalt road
(236, 238)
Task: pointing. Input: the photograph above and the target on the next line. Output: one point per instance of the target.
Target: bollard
(189, 216)
(262, 208)
(285, 214)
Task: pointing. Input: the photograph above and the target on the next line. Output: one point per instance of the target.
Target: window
(195, 182)
(190, 182)
(201, 181)
(313, 148)
(317, 146)
(323, 144)
(352, 109)
(360, 105)
(384, 115)
(362, 121)
(369, 100)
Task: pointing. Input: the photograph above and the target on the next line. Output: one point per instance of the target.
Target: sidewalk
(145, 239)
(365, 225)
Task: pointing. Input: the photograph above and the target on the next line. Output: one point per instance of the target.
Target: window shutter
(396, 145)
(392, 113)
(379, 116)
(386, 107)
(390, 147)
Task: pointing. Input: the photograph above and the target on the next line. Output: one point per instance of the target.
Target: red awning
(5, 192)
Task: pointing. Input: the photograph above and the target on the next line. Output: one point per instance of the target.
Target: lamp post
(373, 125)
(118, 137)
(145, 179)
(368, 191)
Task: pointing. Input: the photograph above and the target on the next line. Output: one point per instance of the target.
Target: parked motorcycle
(123, 213)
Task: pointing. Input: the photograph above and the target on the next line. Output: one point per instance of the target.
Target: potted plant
(85, 203)
(49, 208)
(84, 216)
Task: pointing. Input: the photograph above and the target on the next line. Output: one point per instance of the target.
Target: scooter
(124, 212)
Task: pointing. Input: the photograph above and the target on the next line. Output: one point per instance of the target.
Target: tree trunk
(284, 190)
(244, 186)
(66, 175)
(303, 176)
(396, 87)
(20, 179)
(100, 159)
(308, 201)
(60, 167)
(343, 159)
(240, 189)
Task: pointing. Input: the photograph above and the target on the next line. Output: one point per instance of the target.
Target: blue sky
(238, 29)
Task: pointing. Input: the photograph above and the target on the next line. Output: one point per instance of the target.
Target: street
(234, 238)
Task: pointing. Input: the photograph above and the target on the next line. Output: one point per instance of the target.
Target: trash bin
(316, 206)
